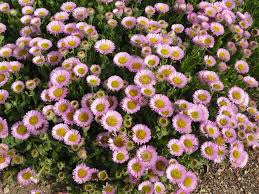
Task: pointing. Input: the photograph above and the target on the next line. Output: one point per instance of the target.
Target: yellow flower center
(187, 182)
(141, 134)
(159, 103)
(176, 174)
(72, 138)
(26, 175)
(177, 80)
(55, 28)
(145, 79)
(120, 156)
(181, 123)
(100, 107)
(58, 92)
(83, 117)
(111, 121)
(81, 173)
(164, 51)
(131, 105)
(115, 84)
(21, 129)
(122, 60)
(175, 148)
(188, 143)
(209, 151)
(33, 120)
(61, 132)
(2, 159)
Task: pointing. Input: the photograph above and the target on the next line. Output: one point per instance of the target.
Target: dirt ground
(219, 179)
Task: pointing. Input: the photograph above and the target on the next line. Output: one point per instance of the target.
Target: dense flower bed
(125, 96)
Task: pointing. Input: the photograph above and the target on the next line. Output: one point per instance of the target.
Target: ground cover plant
(126, 96)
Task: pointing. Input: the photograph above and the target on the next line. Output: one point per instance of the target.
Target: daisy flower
(144, 78)
(36, 191)
(146, 187)
(59, 131)
(5, 161)
(216, 28)
(209, 150)
(147, 155)
(93, 80)
(164, 50)
(54, 57)
(18, 86)
(80, 13)
(3, 96)
(136, 168)
(44, 44)
(61, 107)
(178, 80)
(223, 54)
(108, 189)
(251, 81)
(175, 147)
(150, 10)
(60, 77)
(141, 134)
(177, 28)
(148, 91)
(112, 120)
(151, 61)
(122, 59)
(100, 106)
(24, 177)
(176, 53)
(72, 137)
(120, 156)
(118, 142)
(159, 188)
(130, 106)
(5, 52)
(242, 67)
(104, 46)
(207, 41)
(136, 64)
(57, 93)
(33, 120)
(133, 92)
(82, 174)
(159, 102)
(209, 60)
(68, 6)
(210, 129)
(189, 183)
(55, 27)
(19, 131)
(201, 97)
(196, 113)
(236, 95)
(175, 173)
(80, 70)
(83, 117)
(166, 71)
(190, 143)
(115, 83)
(72, 42)
(160, 165)
(182, 123)
(128, 22)
(229, 134)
